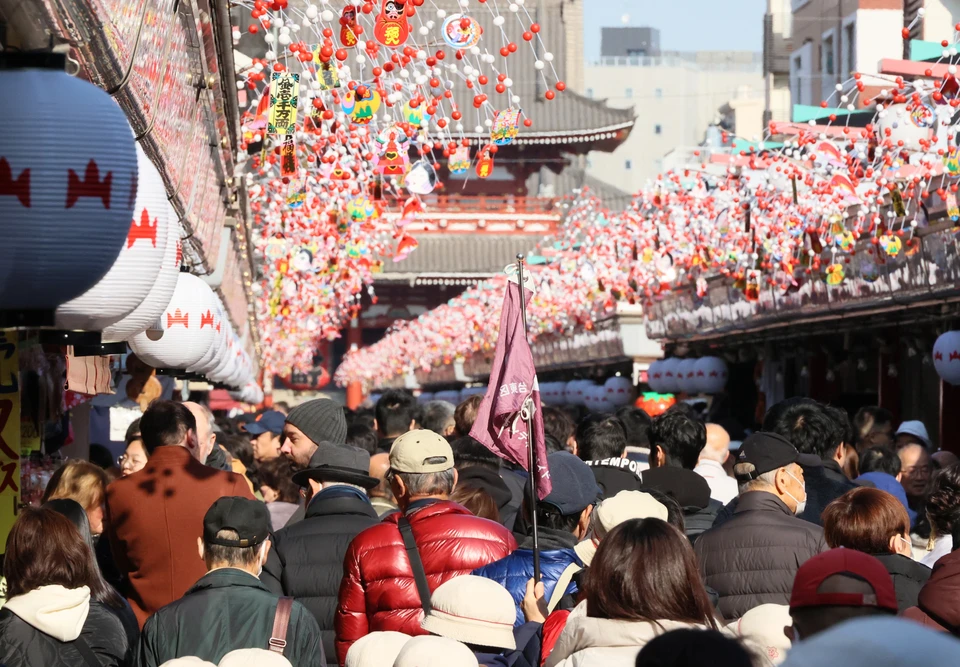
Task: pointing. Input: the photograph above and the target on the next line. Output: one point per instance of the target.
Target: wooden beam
(910, 68)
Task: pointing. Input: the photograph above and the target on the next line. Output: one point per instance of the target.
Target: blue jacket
(889, 483)
(513, 571)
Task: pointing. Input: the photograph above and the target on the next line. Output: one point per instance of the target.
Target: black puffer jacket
(753, 558)
(306, 561)
(908, 577)
(23, 645)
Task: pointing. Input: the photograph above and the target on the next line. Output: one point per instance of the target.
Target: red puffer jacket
(378, 591)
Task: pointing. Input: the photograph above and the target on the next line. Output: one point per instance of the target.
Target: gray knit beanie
(321, 420)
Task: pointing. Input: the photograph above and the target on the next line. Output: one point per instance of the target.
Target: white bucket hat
(189, 661)
(378, 649)
(473, 610)
(253, 657)
(426, 651)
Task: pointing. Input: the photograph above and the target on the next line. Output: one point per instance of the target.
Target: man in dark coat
(306, 561)
(229, 609)
(676, 440)
(478, 466)
(602, 445)
(752, 558)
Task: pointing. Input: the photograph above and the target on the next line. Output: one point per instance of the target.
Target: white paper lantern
(68, 170)
(670, 383)
(151, 308)
(133, 274)
(710, 375)
(686, 376)
(655, 376)
(593, 395)
(425, 397)
(619, 390)
(228, 362)
(211, 359)
(186, 327)
(551, 393)
(946, 357)
(575, 392)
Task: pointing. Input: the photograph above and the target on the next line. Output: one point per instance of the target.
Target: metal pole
(531, 453)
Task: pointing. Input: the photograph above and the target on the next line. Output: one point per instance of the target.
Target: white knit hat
(188, 661)
(613, 511)
(473, 610)
(253, 657)
(427, 651)
(763, 627)
(377, 649)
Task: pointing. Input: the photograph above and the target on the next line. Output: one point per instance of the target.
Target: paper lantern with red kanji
(185, 331)
(669, 383)
(946, 357)
(686, 376)
(68, 183)
(133, 274)
(710, 375)
(575, 392)
(655, 375)
(619, 391)
(212, 358)
(228, 361)
(153, 305)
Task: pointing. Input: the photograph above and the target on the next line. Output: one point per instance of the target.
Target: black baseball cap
(249, 518)
(766, 451)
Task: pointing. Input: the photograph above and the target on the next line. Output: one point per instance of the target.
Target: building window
(589, 163)
(850, 48)
(657, 129)
(629, 92)
(628, 165)
(589, 92)
(827, 56)
(658, 92)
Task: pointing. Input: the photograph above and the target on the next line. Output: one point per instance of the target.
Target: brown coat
(938, 605)
(155, 518)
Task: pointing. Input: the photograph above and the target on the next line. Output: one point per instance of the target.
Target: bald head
(718, 444)
(205, 435)
(379, 464)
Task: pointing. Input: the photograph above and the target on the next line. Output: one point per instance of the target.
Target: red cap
(843, 561)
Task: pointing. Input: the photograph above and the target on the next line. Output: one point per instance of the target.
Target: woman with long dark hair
(643, 582)
(53, 616)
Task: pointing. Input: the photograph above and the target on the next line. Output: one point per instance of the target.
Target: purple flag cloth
(513, 387)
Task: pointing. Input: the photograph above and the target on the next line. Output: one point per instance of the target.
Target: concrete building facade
(675, 96)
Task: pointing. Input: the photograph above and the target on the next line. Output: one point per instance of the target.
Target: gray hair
(436, 416)
(763, 482)
(327, 485)
(428, 484)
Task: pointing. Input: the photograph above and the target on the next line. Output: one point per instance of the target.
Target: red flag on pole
(513, 397)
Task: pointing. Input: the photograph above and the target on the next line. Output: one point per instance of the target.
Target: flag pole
(531, 453)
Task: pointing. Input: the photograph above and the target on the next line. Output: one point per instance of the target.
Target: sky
(685, 25)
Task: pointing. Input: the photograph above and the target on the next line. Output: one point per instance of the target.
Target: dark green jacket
(227, 609)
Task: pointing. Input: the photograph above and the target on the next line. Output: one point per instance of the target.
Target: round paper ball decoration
(670, 383)
(946, 357)
(68, 183)
(710, 375)
(151, 308)
(655, 376)
(186, 327)
(551, 393)
(424, 397)
(909, 123)
(686, 376)
(619, 390)
(133, 274)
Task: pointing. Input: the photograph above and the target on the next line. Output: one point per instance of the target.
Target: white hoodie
(53, 610)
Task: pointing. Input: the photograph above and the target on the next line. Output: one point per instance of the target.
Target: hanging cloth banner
(284, 91)
(288, 157)
(9, 431)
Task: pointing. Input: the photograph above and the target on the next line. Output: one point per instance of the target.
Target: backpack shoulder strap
(413, 554)
(89, 657)
(281, 619)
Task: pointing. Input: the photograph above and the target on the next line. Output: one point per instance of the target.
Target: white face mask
(801, 504)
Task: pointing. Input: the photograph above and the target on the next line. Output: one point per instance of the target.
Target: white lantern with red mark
(212, 358)
(450, 396)
(655, 376)
(670, 383)
(186, 329)
(946, 357)
(153, 305)
(227, 364)
(686, 376)
(574, 392)
(619, 391)
(133, 274)
(68, 175)
(710, 375)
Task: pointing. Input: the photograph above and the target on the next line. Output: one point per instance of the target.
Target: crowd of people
(388, 537)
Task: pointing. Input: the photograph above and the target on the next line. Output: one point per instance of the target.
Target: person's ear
(893, 543)
(572, 446)
(790, 633)
(193, 443)
(899, 477)
(584, 524)
(780, 480)
(266, 551)
(413, 425)
(659, 456)
(840, 453)
(315, 487)
(456, 478)
(398, 487)
(200, 547)
(376, 426)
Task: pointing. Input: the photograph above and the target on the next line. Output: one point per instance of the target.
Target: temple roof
(469, 256)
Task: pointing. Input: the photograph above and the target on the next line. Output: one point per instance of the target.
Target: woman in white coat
(643, 582)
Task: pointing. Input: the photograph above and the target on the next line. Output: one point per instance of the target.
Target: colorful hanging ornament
(484, 162)
(392, 28)
(284, 96)
(459, 161)
(421, 179)
(348, 26)
(461, 31)
(393, 158)
(506, 126)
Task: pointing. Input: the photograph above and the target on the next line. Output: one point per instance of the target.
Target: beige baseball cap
(421, 451)
(628, 505)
